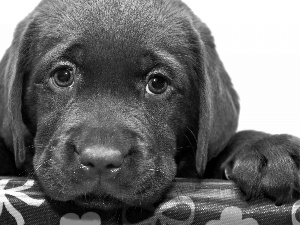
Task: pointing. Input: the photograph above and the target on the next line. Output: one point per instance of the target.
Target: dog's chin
(105, 201)
(105, 195)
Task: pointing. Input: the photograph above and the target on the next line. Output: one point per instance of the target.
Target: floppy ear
(12, 70)
(219, 106)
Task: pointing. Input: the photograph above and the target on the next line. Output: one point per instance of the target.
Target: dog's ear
(13, 67)
(219, 106)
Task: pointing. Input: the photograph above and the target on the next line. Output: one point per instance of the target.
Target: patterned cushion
(209, 202)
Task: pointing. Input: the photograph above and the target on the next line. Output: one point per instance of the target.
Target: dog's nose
(102, 159)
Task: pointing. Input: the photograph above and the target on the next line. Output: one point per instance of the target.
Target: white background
(257, 40)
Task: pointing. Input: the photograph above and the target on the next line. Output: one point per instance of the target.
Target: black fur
(107, 135)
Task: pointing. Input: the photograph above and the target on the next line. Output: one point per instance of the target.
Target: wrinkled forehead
(118, 22)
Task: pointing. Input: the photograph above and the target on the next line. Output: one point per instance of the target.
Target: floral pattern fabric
(189, 202)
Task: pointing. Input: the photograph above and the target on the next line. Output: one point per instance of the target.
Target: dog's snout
(101, 159)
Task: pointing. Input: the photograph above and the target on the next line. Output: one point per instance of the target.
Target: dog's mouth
(108, 194)
(106, 201)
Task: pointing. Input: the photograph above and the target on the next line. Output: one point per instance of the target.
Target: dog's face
(110, 97)
(119, 97)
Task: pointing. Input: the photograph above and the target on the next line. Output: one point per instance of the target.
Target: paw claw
(228, 173)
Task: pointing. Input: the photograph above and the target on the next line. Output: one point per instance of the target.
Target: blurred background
(259, 44)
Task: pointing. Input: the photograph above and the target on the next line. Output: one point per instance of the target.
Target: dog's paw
(266, 166)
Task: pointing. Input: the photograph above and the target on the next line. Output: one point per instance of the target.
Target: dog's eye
(64, 77)
(157, 84)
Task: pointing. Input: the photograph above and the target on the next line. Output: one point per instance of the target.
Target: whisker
(195, 138)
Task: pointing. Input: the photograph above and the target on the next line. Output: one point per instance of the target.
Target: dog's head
(114, 98)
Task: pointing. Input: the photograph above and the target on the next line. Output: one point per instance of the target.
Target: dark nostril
(111, 166)
(90, 165)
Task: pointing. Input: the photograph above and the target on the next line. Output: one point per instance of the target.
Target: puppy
(106, 101)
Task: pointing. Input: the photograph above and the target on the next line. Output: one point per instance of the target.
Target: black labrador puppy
(106, 101)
